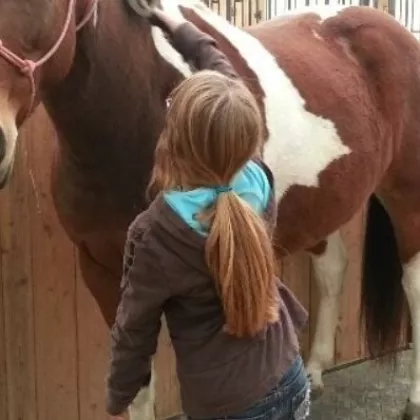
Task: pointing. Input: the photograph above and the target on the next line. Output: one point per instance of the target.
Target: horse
(339, 98)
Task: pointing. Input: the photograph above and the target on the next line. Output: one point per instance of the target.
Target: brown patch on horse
(333, 85)
(239, 63)
(280, 20)
(109, 113)
(115, 145)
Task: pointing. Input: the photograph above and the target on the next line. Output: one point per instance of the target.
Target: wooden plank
(168, 400)
(363, 347)
(348, 338)
(220, 7)
(261, 10)
(18, 294)
(214, 6)
(255, 11)
(93, 352)
(3, 339)
(53, 276)
(383, 5)
(295, 273)
(239, 16)
(247, 12)
(313, 305)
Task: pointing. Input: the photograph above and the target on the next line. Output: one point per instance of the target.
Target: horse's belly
(325, 158)
(320, 183)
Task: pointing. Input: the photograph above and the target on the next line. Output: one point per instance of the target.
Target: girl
(202, 255)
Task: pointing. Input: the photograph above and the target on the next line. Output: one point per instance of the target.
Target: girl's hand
(171, 22)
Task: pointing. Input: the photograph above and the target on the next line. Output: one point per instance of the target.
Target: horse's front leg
(105, 287)
(330, 270)
(143, 406)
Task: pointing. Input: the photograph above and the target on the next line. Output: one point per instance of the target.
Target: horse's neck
(242, 49)
(110, 109)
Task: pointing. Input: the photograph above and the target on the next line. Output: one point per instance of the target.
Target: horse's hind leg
(411, 283)
(404, 210)
(330, 265)
(105, 288)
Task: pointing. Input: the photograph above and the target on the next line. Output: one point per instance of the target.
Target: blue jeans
(289, 400)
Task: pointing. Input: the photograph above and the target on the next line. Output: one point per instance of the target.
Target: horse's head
(37, 47)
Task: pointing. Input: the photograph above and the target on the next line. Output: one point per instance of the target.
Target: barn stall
(53, 342)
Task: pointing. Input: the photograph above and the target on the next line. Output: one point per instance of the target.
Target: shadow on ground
(365, 391)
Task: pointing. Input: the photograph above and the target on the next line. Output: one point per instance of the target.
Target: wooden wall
(53, 342)
(239, 12)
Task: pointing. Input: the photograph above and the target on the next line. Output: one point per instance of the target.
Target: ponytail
(240, 257)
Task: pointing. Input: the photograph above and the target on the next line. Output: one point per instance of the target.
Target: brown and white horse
(340, 98)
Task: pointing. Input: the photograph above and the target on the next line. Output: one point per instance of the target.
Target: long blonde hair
(213, 128)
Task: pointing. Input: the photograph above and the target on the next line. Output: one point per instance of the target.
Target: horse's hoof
(317, 387)
(412, 411)
(316, 392)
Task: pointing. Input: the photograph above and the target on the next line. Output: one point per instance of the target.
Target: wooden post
(383, 5)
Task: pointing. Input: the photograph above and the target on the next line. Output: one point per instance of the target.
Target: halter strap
(90, 12)
(27, 66)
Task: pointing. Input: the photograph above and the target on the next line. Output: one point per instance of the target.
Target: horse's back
(327, 75)
(359, 65)
(280, 20)
(321, 59)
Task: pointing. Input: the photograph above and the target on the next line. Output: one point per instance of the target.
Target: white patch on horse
(330, 270)
(411, 283)
(169, 53)
(300, 144)
(143, 406)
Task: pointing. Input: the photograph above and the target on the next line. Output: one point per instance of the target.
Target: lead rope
(28, 67)
(89, 15)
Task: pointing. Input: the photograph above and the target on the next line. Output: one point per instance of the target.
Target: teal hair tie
(222, 189)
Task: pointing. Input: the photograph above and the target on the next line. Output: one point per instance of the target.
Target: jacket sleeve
(200, 48)
(136, 329)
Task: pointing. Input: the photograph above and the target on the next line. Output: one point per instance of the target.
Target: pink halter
(28, 67)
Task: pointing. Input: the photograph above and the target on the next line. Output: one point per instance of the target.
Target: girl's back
(202, 255)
